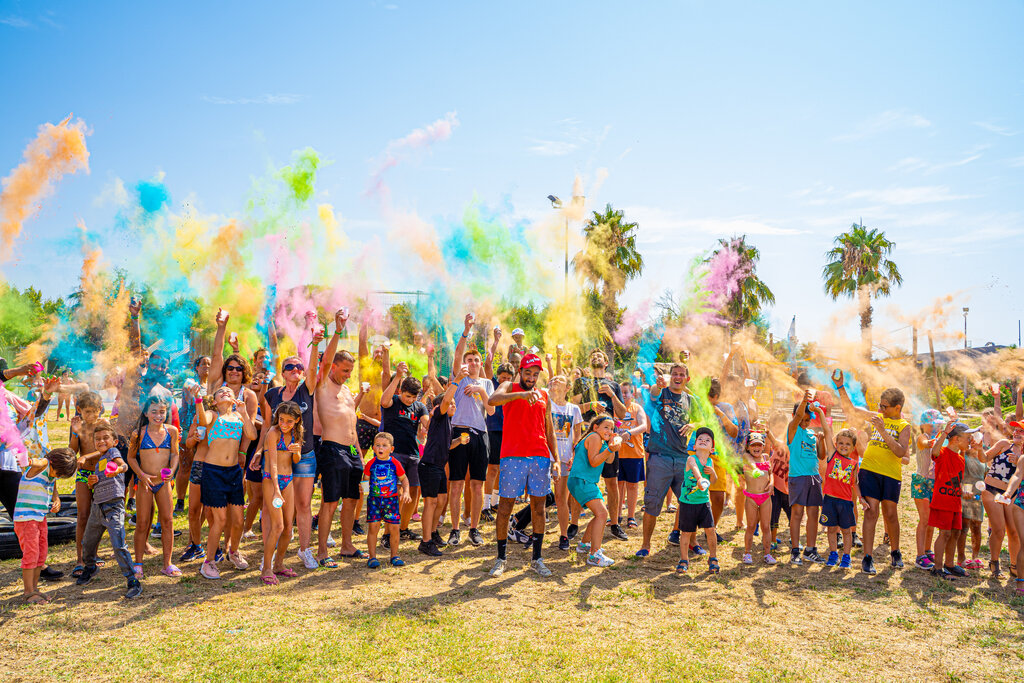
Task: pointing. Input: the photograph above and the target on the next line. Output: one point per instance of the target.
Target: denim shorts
(305, 468)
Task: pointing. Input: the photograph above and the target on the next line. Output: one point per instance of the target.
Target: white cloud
(269, 98)
(15, 21)
(660, 226)
(997, 129)
(906, 195)
(1017, 162)
(552, 148)
(911, 164)
(887, 120)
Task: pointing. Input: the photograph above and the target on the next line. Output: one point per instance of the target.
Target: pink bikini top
(763, 466)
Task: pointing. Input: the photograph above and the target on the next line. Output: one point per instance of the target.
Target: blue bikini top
(147, 441)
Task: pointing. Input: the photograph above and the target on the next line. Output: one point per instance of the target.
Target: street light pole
(966, 311)
(556, 203)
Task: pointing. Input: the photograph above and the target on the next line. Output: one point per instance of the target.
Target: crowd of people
(250, 440)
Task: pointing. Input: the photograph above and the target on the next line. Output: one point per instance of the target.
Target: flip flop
(643, 552)
(357, 555)
(171, 570)
(269, 580)
(287, 571)
(328, 562)
(77, 571)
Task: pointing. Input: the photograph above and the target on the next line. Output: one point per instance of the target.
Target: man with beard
(528, 455)
(599, 394)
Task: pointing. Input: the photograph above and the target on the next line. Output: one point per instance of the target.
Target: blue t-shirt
(496, 421)
(384, 475)
(803, 453)
(669, 412)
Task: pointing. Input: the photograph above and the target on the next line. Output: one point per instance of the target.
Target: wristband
(198, 400)
(135, 317)
(465, 336)
(241, 452)
(840, 387)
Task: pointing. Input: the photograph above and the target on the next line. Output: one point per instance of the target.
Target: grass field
(446, 619)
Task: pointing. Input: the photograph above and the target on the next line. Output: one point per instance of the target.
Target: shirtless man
(338, 461)
(368, 423)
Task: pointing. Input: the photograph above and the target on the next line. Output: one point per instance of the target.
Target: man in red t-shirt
(945, 515)
(528, 453)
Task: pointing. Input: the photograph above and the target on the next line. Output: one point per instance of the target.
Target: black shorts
(222, 486)
(879, 486)
(254, 476)
(780, 504)
(837, 512)
(695, 516)
(494, 440)
(611, 469)
(341, 470)
(365, 432)
(433, 482)
(471, 457)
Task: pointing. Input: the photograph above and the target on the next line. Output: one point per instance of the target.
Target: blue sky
(784, 121)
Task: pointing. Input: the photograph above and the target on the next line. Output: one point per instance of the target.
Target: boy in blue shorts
(388, 487)
(840, 487)
(805, 450)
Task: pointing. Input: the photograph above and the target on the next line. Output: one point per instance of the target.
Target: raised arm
(826, 428)
(798, 417)
(387, 397)
(340, 320)
(1019, 414)
(385, 365)
(940, 439)
(313, 362)
(839, 380)
(491, 352)
(460, 347)
(217, 358)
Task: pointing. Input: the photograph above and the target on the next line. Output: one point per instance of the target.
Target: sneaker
(718, 537)
(179, 508)
(922, 562)
(130, 522)
(812, 555)
(596, 560)
(582, 548)
(748, 558)
(410, 535)
(385, 540)
(193, 552)
(794, 557)
(757, 529)
(454, 537)
(131, 505)
(957, 571)
(134, 589)
(571, 531)
(867, 565)
(239, 561)
(246, 535)
(475, 538)
(845, 562)
(86, 575)
(769, 559)
(697, 550)
(931, 555)
(436, 539)
(618, 533)
(499, 567)
(833, 559)
(155, 531)
(308, 561)
(671, 507)
(50, 574)
(486, 515)
(209, 570)
(521, 537)
(538, 566)
(857, 543)
(897, 559)
(673, 538)
(219, 555)
(428, 548)
(563, 543)
(839, 542)
(942, 573)
(330, 541)
(358, 529)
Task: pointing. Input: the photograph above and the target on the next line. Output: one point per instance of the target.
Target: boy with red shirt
(841, 485)
(945, 514)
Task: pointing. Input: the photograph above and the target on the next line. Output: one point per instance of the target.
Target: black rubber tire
(59, 531)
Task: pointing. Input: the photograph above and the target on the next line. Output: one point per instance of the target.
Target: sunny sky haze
(783, 121)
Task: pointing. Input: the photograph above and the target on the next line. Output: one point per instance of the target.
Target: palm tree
(744, 306)
(857, 265)
(609, 260)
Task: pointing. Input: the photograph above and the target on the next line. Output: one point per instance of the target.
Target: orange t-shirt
(632, 446)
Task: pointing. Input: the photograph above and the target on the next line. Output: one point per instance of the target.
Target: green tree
(608, 261)
(744, 306)
(858, 266)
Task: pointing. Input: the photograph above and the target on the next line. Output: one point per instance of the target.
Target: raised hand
(222, 317)
(837, 378)
(134, 306)
(340, 319)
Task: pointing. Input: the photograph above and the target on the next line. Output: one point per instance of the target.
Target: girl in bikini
(283, 449)
(153, 456)
(222, 493)
(757, 492)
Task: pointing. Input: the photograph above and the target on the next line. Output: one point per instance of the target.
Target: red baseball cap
(530, 360)
(1015, 424)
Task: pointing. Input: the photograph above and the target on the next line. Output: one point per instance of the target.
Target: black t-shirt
(402, 421)
(588, 389)
(439, 438)
(304, 400)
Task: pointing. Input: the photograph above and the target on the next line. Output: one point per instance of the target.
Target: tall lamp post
(966, 311)
(556, 203)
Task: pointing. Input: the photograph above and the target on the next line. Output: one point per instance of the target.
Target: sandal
(682, 567)
(77, 571)
(397, 562)
(328, 562)
(1013, 570)
(631, 523)
(373, 563)
(643, 552)
(287, 571)
(269, 580)
(357, 555)
(994, 566)
(171, 570)
(36, 599)
(1020, 587)
(137, 569)
(713, 565)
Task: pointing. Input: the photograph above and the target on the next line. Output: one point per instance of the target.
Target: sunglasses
(233, 368)
(157, 367)
(292, 366)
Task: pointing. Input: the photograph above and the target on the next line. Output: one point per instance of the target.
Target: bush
(953, 396)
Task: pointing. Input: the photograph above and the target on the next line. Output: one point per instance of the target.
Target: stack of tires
(61, 528)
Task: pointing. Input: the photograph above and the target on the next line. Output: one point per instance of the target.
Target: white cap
(518, 330)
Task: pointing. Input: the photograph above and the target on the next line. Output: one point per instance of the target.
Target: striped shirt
(35, 495)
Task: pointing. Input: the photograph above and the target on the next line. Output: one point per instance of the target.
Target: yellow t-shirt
(878, 457)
